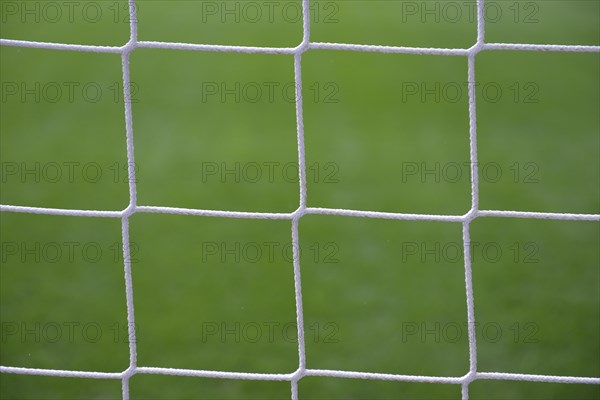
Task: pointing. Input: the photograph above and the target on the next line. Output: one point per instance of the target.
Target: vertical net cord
(132, 200)
(466, 231)
(302, 186)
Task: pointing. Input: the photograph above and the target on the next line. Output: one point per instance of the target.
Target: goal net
(306, 45)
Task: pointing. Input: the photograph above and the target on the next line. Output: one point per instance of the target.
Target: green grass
(367, 283)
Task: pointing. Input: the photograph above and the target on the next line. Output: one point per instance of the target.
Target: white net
(306, 45)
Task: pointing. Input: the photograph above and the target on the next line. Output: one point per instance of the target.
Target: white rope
(60, 46)
(300, 212)
(60, 373)
(132, 200)
(294, 217)
(474, 200)
(307, 372)
(294, 50)
(56, 211)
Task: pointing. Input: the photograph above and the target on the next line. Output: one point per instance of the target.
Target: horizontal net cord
(301, 48)
(299, 213)
(61, 46)
(541, 47)
(504, 376)
(214, 213)
(539, 215)
(454, 380)
(215, 48)
(382, 376)
(214, 374)
(60, 211)
(388, 49)
(61, 373)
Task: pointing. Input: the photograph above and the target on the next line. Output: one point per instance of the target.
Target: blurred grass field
(378, 295)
